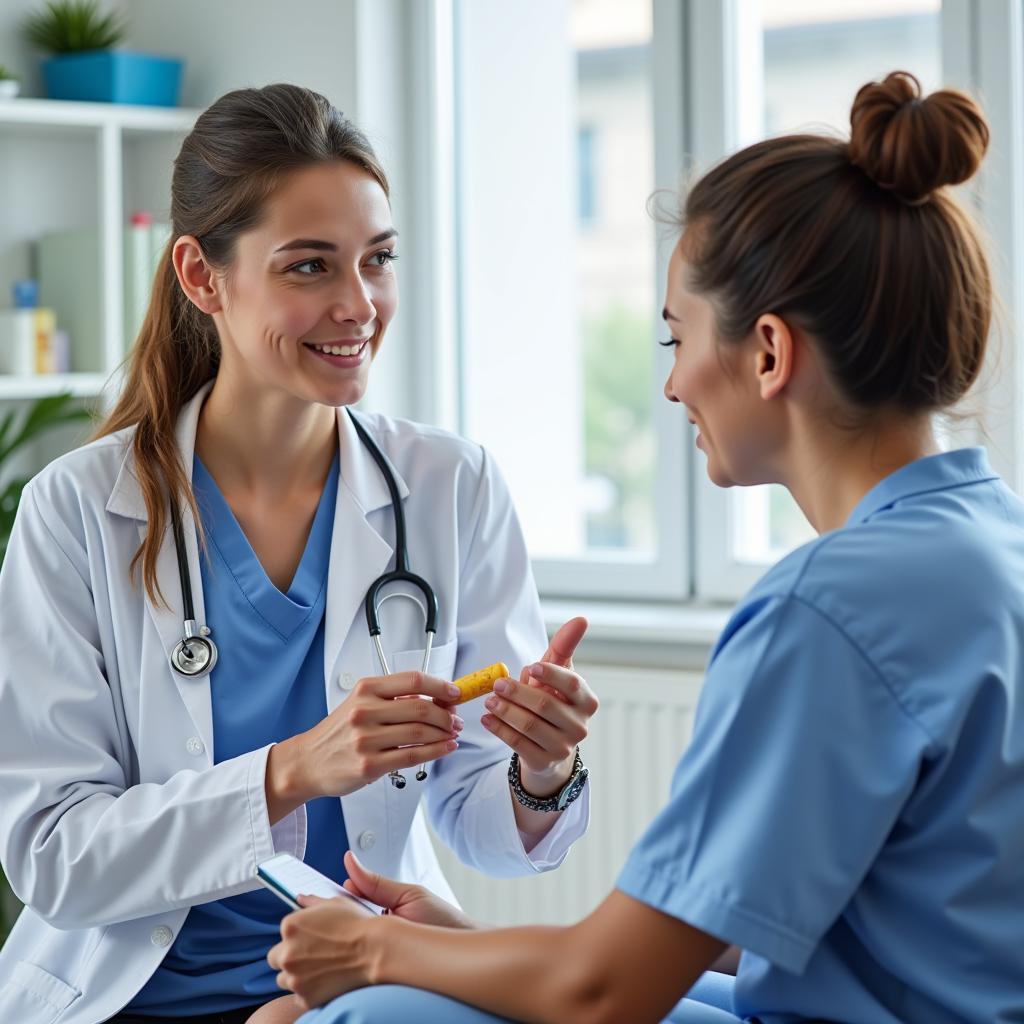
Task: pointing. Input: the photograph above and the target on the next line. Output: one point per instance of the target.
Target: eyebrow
(666, 315)
(321, 246)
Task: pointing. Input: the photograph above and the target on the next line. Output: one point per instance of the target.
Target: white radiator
(635, 740)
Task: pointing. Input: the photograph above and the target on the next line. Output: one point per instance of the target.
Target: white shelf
(111, 146)
(33, 113)
(83, 385)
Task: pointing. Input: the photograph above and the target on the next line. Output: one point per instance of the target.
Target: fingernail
(457, 723)
(452, 690)
(487, 721)
(451, 745)
(501, 685)
(491, 702)
(536, 670)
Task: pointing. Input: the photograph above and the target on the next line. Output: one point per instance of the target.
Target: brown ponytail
(228, 165)
(860, 245)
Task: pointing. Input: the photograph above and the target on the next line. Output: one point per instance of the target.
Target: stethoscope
(195, 654)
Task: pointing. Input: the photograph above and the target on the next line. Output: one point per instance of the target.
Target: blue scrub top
(268, 685)
(849, 808)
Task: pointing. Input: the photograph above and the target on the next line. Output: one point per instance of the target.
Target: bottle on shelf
(137, 273)
(27, 333)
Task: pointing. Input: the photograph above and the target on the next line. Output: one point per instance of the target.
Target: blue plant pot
(114, 76)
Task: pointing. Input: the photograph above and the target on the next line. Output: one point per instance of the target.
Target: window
(587, 142)
(559, 314)
(567, 115)
(838, 47)
(802, 64)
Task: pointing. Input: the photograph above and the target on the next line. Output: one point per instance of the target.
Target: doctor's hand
(373, 732)
(544, 716)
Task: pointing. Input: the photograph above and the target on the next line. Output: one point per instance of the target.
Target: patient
(847, 809)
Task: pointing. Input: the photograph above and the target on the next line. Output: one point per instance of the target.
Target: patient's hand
(285, 1010)
(411, 902)
(324, 949)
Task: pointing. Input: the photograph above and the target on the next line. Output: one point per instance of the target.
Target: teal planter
(114, 76)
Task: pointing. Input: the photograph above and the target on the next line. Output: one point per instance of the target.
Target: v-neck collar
(283, 612)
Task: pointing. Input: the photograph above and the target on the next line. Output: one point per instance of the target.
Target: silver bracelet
(557, 801)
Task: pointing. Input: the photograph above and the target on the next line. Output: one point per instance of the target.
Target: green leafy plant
(16, 432)
(7, 75)
(70, 26)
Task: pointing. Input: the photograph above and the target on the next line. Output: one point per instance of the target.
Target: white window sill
(642, 633)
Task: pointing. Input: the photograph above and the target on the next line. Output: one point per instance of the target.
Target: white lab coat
(114, 819)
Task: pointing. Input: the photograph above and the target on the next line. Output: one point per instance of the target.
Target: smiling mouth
(338, 348)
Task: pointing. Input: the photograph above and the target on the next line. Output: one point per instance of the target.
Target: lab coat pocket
(33, 994)
(442, 660)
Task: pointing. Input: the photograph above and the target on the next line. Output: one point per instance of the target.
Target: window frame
(666, 576)
(982, 53)
(697, 61)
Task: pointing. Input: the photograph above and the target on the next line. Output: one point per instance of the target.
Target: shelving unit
(82, 385)
(64, 165)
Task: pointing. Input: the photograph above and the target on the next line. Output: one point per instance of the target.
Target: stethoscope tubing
(196, 654)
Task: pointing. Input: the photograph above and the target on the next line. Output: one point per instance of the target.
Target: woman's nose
(668, 389)
(353, 303)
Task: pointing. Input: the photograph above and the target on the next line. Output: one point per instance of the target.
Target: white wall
(231, 44)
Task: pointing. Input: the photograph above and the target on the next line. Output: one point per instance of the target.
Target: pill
(476, 684)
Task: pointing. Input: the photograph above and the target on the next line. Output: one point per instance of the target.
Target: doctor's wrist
(286, 782)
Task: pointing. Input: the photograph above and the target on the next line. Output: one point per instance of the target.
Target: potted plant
(86, 67)
(42, 416)
(8, 84)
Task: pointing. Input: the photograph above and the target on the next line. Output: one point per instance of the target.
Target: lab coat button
(194, 745)
(366, 840)
(346, 680)
(161, 936)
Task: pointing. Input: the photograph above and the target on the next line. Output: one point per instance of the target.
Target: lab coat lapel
(126, 499)
(359, 554)
(169, 622)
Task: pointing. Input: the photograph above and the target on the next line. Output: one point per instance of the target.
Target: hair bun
(913, 146)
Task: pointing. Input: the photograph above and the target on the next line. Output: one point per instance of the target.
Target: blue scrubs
(848, 810)
(268, 685)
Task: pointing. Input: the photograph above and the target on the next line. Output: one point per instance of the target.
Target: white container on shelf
(26, 341)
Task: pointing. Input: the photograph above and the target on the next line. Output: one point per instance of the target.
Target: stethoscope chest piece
(195, 654)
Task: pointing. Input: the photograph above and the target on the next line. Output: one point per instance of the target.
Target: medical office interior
(524, 142)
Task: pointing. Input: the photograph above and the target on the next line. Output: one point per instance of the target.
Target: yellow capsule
(476, 684)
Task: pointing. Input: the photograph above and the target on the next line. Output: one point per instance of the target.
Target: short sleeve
(801, 761)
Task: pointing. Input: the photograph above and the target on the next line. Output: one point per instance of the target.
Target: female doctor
(137, 794)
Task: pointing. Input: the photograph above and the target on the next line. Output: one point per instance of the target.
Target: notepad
(288, 878)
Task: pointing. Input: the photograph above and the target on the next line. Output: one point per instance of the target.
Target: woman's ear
(773, 355)
(197, 278)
